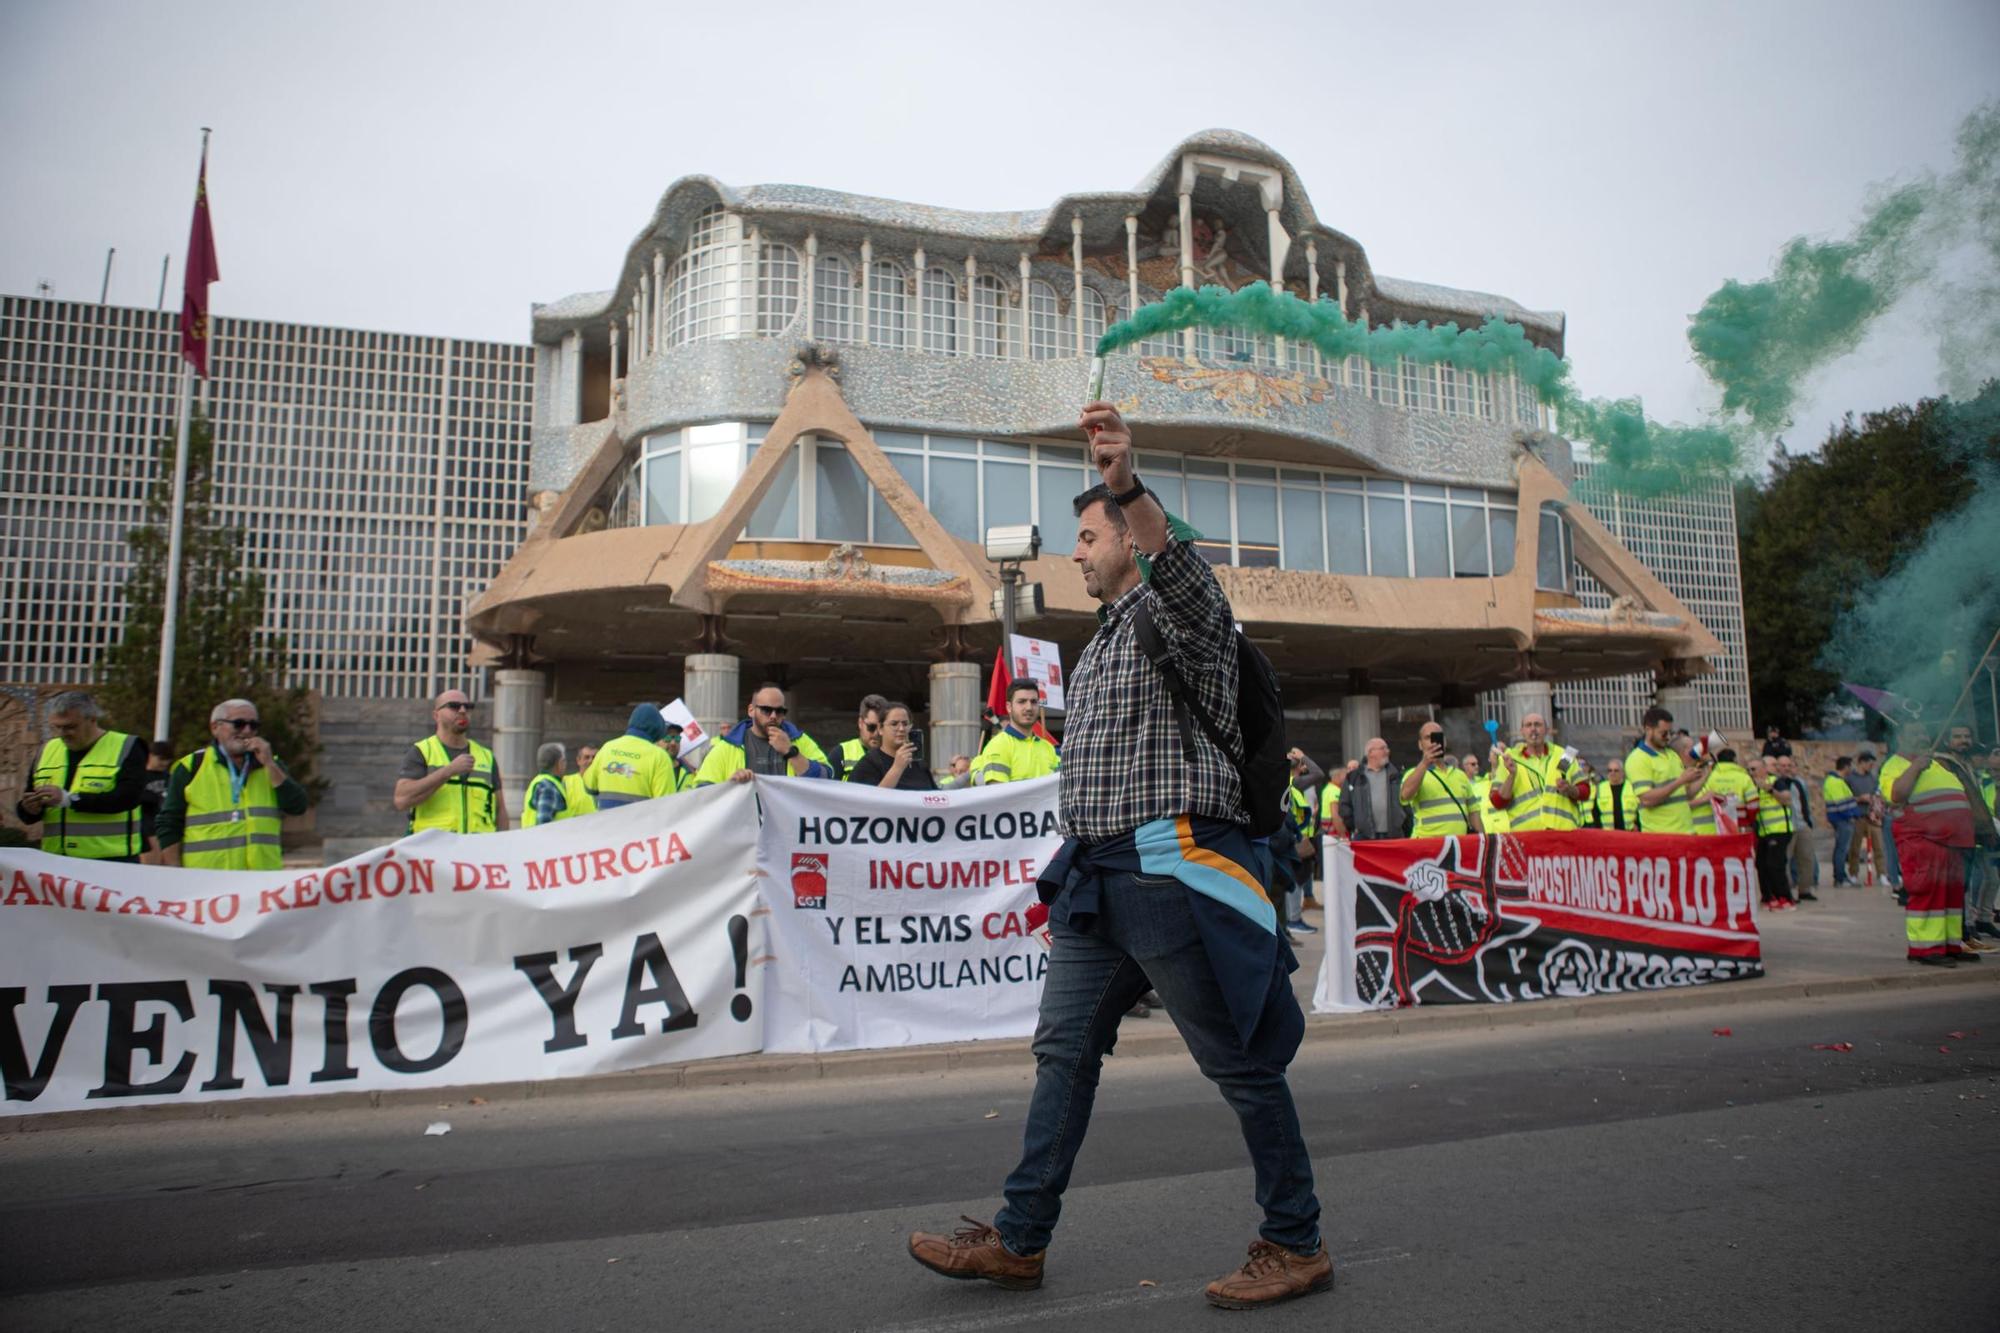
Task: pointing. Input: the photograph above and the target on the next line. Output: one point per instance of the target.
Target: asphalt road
(1635, 1173)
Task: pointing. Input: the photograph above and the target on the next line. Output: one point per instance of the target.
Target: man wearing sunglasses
(867, 733)
(448, 780)
(763, 742)
(225, 803)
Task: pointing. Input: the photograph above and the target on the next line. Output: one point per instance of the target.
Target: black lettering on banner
(650, 956)
(123, 1040)
(23, 1085)
(271, 1043)
(335, 1067)
(561, 1000)
(382, 1020)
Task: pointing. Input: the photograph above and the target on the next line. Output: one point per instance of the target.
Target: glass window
(1552, 554)
(889, 530)
(1384, 383)
(1430, 540)
(1500, 531)
(712, 470)
(1256, 525)
(833, 299)
(777, 287)
(989, 316)
(1006, 500)
(663, 488)
(840, 495)
(1346, 534)
(1468, 539)
(703, 290)
(1388, 554)
(1097, 316)
(1045, 323)
(889, 305)
(940, 308)
(954, 496)
(1056, 489)
(1208, 508)
(1305, 544)
(777, 514)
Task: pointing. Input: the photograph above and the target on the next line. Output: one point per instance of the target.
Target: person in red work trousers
(1933, 829)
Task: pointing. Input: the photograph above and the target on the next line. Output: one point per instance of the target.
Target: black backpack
(1262, 768)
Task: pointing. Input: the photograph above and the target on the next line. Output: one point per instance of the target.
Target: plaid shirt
(1121, 758)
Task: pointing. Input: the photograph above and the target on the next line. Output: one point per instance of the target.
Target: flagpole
(163, 701)
(169, 620)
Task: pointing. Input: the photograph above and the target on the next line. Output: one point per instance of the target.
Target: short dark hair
(1866, 757)
(1655, 715)
(1842, 761)
(161, 749)
(1100, 493)
(1725, 756)
(892, 705)
(872, 703)
(1020, 683)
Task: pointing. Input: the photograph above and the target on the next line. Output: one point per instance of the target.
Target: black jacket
(1358, 812)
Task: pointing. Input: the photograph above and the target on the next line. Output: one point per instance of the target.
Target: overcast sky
(437, 168)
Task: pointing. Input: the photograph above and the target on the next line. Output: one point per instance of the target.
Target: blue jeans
(1145, 930)
(1894, 869)
(1843, 840)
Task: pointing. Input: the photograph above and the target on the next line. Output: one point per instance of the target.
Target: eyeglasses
(779, 711)
(457, 706)
(871, 726)
(241, 723)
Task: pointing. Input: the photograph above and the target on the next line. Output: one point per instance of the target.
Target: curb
(771, 1070)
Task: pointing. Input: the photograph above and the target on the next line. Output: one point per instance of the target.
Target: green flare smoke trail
(1757, 342)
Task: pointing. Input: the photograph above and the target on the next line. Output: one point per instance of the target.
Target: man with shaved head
(448, 780)
(1536, 785)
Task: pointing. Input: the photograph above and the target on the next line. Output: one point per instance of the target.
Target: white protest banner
(611, 941)
(901, 918)
(1039, 660)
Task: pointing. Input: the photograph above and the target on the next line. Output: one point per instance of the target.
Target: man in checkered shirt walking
(1159, 879)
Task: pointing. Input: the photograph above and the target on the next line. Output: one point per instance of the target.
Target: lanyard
(236, 779)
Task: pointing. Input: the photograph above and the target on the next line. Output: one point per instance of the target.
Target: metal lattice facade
(380, 479)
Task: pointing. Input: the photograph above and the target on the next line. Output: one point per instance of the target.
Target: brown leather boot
(975, 1251)
(1272, 1274)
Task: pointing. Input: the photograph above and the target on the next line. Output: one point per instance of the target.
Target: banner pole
(163, 700)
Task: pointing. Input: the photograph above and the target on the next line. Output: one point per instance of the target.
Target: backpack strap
(1150, 643)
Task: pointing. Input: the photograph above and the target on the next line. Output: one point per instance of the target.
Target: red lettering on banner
(271, 900)
(638, 850)
(305, 891)
(676, 849)
(1010, 925)
(134, 907)
(175, 909)
(21, 889)
(603, 863)
(464, 878)
(337, 885)
(496, 876)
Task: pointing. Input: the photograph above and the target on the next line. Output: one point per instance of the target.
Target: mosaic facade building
(772, 447)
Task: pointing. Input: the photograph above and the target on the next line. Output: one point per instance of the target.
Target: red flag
(996, 693)
(201, 270)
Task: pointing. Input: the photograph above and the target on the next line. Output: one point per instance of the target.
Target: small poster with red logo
(1039, 660)
(809, 880)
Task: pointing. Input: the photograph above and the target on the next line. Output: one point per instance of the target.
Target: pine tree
(220, 651)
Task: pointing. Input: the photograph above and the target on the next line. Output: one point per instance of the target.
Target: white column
(1340, 285)
(955, 700)
(969, 320)
(753, 283)
(917, 303)
(1280, 245)
(517, 730)
(1513, 396)
(1076, 276)
(1132, 261)
(658, 337)
(1684, 702)
(1360, 722)
(810, 279)
(1312, 270)
(867, 288)
(710, 680)
(572, 378)
(613, 386)
(1027, 272)
(1525, 697)
(1187, 261)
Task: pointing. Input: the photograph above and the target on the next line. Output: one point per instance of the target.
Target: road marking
(1076, 1305)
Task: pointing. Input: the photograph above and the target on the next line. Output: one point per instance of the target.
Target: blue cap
(647, 723)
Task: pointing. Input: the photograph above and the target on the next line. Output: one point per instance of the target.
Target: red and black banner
(1532, 916)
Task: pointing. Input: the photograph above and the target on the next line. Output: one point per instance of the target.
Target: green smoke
(1757, 342)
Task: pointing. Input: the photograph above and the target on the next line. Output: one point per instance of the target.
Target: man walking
(1370, 804)
(225, 804)
(87, 788)
(448, 780)
(1158, 878)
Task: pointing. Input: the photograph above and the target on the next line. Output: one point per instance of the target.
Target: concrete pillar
(1360, 722)
(1463, 734)
(1525, 697)
(570, 410)
(1684, 702)
(713, 692)
(955, 701)
(1131, 262)
(517, 730)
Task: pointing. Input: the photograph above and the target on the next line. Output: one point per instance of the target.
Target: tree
(1825, 530)
(220, 650)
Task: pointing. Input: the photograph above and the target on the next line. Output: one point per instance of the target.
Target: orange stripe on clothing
(1202, 856)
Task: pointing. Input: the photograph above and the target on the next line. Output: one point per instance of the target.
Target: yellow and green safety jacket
(1614, 806)
(67, 831)
(1839, 797)
(1533, 803)
(1729, 779)
(580, 801)
(1647, 768)
(464, 804)
(852, 751)
(1442, 805)
(1492, 819)
(1013, 757)
(631, 768)
(1329, 802)
(726, 755)
(529, 817)
(1774, 813)
(227, 827)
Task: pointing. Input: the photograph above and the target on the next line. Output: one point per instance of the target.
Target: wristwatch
(1138, 489)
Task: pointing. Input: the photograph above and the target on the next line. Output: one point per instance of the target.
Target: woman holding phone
(899, 763)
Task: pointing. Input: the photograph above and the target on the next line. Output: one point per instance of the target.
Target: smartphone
(917, 739)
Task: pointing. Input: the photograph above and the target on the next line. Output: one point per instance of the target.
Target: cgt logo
(809, 880)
